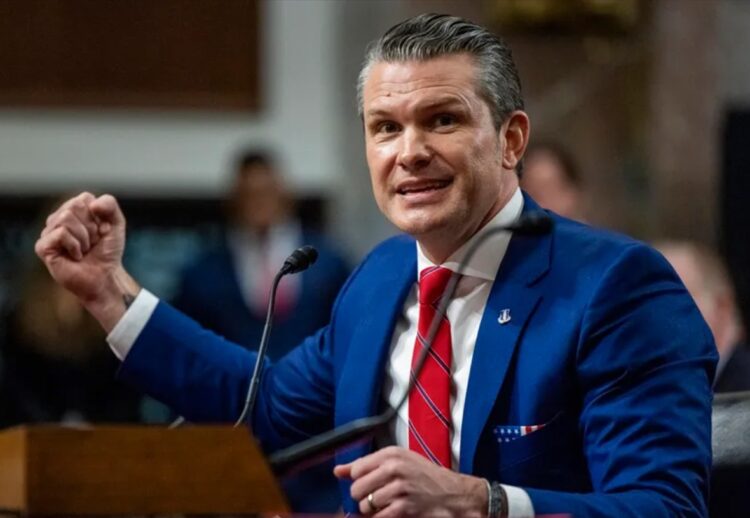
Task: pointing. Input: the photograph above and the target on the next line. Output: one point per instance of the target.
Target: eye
(445, 119)
(386, 127)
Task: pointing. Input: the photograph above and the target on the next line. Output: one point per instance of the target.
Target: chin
(420, 226)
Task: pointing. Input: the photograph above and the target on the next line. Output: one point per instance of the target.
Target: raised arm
(82, 245)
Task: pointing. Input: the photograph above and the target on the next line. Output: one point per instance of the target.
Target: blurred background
(154, 101)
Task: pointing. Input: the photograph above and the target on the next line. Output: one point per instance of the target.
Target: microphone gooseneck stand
(299, 260)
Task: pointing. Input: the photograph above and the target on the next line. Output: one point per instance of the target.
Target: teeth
(423, 187)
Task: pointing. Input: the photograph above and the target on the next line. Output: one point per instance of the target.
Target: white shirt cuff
(126, 331)
(519, 502)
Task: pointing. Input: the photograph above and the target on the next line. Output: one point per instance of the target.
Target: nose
(415, 152)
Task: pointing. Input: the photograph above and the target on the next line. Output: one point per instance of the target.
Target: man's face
(432, 149)
(260, 201)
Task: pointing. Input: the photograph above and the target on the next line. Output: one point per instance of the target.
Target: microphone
(530, 224)
(299, 260)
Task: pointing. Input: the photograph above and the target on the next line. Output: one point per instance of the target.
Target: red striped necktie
(429, 402)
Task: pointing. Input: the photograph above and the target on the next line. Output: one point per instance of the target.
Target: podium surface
(118, 470)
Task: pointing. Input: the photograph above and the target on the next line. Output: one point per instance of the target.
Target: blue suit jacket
(604, 346)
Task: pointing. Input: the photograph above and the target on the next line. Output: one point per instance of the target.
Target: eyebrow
(445, 102)
(376, 112)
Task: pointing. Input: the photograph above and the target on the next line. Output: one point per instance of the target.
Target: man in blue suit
(571, 373)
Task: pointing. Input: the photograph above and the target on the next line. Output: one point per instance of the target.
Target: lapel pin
(504, 317)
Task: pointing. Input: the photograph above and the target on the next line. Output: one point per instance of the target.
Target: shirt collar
(486, 261)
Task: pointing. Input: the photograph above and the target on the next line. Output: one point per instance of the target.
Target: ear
(515, 132)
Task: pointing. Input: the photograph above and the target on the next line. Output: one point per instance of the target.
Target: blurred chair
(730, 478)
(731, 430)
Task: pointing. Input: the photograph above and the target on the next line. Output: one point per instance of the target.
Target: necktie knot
(432, 283)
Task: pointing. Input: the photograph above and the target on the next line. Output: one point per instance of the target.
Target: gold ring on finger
(371, 503)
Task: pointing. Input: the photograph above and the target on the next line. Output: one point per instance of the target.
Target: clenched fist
(82, 246)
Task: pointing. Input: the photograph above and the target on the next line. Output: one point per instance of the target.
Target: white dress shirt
(256, 263)
(464, 312)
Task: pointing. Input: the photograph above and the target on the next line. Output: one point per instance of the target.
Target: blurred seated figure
(54, 363)
(707, 280)
(551, 177)
(227, 289)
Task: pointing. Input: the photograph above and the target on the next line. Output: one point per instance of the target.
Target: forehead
(403, 81)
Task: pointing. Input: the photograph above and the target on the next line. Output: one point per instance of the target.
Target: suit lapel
(362, 378)
(511, 303)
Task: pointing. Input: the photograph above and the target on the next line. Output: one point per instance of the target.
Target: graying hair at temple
(429, 36)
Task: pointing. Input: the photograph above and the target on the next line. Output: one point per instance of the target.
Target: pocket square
(513, 432)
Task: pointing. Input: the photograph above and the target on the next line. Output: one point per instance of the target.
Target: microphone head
(300, 260)
(535, 223)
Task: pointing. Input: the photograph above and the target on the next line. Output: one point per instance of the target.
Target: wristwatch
(497, 500)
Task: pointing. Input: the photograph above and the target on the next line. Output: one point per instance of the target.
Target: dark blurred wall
(685, 110)
(735, 201)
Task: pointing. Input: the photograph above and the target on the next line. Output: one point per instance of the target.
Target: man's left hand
(397, 482)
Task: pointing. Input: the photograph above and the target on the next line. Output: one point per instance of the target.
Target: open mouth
(424, 187)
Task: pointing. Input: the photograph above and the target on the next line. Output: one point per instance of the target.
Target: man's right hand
(82, 246)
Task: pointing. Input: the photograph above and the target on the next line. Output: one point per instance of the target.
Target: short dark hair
(253, 157)
(429, 36)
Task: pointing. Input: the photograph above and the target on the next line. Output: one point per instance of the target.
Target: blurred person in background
(227, 288)
(707, 280)
(53, 364)
(551, 177)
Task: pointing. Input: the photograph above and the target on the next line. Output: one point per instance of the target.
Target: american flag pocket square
(510, 433)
